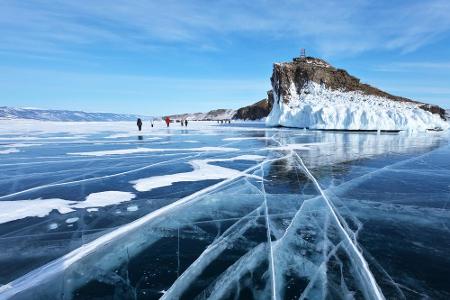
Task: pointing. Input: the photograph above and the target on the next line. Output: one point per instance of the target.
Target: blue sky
(160, 57)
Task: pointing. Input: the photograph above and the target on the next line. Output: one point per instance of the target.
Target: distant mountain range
(63, 115)
(256, 111)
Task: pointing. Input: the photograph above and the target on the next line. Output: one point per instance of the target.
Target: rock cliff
(256, 111)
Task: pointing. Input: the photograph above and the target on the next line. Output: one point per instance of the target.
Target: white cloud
(408, 66)
(137, 25)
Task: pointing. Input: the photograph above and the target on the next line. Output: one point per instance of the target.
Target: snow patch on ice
(21, 209)
(20, 145)
(146, 150)
(37, 138)
(301, 146)
(203, 170)
(12, 148)
(317, 107)
(9, 150)
(132, 208)
(72, 220)
(131, 134)
(107, 198)
(52, 226)
(16, 210)
(247, 138)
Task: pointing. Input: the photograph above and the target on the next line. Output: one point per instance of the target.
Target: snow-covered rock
(309, 93)
(213, 115)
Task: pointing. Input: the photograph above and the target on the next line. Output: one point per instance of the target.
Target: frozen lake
(236, 211)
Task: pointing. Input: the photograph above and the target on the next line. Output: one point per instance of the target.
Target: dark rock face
(256, 111)
(303, 70)
(434, 109)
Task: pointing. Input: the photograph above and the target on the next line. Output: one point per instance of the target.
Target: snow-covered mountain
(62, 115)
(309, 92)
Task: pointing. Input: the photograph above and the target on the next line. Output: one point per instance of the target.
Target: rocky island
(310, 93)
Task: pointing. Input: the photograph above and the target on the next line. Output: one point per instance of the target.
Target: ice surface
(285, 214)
(321, 108)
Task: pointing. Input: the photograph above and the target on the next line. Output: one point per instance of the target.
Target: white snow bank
(202, 171)
(317, 107)
(20, 209)
(145, 150)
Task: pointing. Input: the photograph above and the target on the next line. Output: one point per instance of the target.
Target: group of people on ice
(166, 119)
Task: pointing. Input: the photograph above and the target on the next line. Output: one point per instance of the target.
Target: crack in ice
(375, 289)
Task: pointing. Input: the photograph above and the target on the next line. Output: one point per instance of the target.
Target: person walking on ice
(139, 124)
(167, 121)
